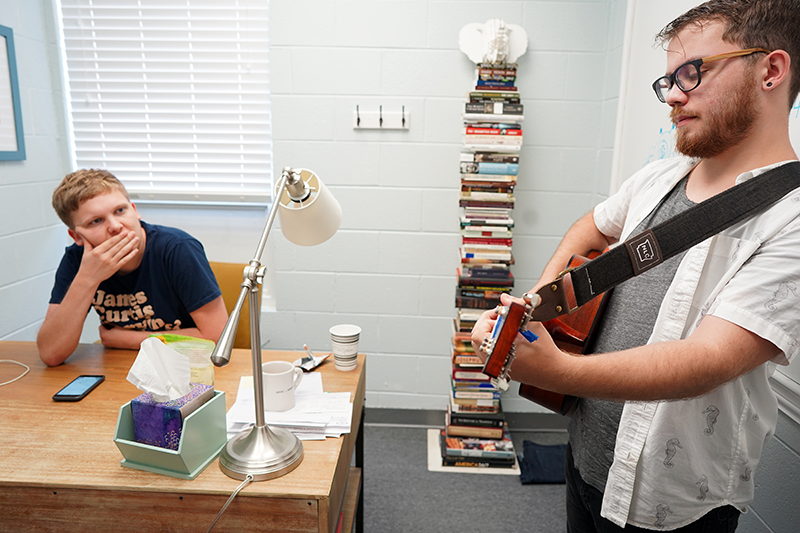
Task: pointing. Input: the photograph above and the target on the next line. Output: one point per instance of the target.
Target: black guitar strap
(652, 247)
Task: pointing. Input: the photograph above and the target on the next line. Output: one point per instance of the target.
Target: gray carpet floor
(401, 495)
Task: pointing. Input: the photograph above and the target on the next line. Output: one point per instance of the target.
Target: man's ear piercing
(769, 84)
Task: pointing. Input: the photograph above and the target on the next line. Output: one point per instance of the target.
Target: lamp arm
(222, 351)
(250, 278)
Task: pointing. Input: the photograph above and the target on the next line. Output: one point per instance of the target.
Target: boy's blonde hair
(82, 185)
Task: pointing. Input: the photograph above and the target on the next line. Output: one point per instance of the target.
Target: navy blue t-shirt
(173, 280)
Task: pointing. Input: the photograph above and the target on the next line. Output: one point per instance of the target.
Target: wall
(32, 238)
(391, 267)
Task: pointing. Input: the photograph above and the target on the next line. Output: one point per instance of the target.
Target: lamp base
(263, 452)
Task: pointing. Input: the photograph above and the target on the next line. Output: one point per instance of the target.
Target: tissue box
(160, 424)
(202, 438)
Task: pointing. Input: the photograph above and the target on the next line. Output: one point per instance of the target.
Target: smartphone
(78, 388)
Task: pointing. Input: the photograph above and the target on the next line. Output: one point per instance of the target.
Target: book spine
(476, 303)
(472, 231)
(492, 140)
(487, 255)
(484, 454)
(493, 129)
(493, 108)
(511, 169)
(495, 86)
(488, 157)
(510, 97)
(488, 295)
(469, 176)
(482, 433)
(490, 147)
(478, 198)
(490, 272)
(474, 395)
(487, 240)
(505, 85)
(490, 168)
(472, 376)
(481, 463)
(459, 419)
(467, 360)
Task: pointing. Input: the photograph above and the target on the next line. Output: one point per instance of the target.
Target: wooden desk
(60, 469)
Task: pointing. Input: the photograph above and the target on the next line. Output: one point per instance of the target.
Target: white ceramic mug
(281, 379)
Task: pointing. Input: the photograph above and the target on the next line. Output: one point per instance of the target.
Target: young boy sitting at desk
(138, 277)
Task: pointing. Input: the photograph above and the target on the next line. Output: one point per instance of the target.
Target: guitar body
(571, 332)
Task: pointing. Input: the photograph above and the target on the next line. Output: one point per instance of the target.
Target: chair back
(229, 277)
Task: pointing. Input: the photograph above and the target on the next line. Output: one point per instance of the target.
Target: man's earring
(769, 84)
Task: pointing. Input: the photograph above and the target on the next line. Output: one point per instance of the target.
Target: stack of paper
(315, 416)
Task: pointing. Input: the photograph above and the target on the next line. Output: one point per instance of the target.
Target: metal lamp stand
(260, 451)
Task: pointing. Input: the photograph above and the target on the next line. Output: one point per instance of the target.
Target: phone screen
(78, 388)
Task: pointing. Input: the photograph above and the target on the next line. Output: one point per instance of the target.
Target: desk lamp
(309, 215)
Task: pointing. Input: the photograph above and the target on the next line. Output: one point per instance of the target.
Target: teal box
(203, 436)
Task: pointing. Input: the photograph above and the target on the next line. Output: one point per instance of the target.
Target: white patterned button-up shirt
(674, 461)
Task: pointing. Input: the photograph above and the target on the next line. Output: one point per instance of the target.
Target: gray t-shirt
(627, 322)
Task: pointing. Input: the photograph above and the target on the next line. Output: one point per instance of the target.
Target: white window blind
(172, 96)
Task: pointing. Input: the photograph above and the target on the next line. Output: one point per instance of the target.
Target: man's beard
(725, 126)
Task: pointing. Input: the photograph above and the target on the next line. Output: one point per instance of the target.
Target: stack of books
(488, 170)
(493, 113)
(487, 199)
(477, 452)
(493, 136)
(497, 76)
(471, 391)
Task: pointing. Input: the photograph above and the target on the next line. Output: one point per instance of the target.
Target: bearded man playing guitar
(675, 404)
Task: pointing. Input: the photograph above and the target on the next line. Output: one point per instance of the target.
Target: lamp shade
(312, 220)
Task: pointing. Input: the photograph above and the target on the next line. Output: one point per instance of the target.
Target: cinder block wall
(391, 267)
(32, 238)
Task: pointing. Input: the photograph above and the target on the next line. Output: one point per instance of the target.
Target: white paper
(161, 371)
(315, 416)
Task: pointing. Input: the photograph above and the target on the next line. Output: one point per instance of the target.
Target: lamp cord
(244, 483)
(27, 369)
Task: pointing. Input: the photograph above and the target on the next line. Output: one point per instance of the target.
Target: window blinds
(172, 96)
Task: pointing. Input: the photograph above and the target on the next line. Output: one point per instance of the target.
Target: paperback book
(472, 447)
(489, 157)
(483, 96)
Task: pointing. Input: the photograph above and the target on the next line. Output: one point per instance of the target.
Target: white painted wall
(32, 238)
(391, 267)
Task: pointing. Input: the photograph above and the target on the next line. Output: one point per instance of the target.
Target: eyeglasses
(687, 76)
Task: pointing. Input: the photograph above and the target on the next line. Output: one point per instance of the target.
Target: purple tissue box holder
(160, 424)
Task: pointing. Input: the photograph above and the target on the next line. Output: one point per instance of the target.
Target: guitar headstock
(499, 347)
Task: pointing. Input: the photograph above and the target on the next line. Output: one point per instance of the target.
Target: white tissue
(161, 371)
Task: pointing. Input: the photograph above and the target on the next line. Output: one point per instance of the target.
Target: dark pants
(584, 503)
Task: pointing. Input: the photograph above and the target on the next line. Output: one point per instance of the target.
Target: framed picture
(12, 142)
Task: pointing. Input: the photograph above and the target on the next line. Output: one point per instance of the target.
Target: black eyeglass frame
(673, 80)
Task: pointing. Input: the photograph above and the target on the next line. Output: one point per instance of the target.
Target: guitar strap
(657, 244)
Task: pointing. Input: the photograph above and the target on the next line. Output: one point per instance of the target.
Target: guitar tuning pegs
(532, 299)
(486, 345)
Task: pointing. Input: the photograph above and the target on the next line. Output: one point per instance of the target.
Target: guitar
(571, 332)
